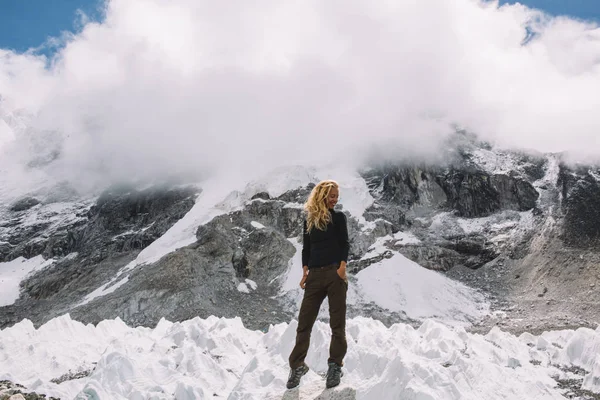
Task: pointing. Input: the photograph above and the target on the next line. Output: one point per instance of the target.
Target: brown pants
(322, 282)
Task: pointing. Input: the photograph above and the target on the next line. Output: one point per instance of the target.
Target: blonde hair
(317, 213)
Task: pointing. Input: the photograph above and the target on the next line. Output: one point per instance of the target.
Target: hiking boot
(334, 373)
(295, 375)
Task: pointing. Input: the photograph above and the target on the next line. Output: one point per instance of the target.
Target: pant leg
(314, 294)
(336, 294)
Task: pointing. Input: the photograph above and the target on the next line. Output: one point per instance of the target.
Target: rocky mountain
(520, 228)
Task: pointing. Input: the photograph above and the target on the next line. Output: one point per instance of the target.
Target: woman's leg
(314, 294)
(336, 294)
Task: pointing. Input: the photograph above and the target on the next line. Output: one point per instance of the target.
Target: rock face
(580, 189)
(412, 197)
(24, 204)
(121, 220)
(91, 244)
(203, 279)
(399, 189)
(478, 194)
(469, 192)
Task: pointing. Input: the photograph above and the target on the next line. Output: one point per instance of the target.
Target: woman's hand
(341, 271)
(304, 276)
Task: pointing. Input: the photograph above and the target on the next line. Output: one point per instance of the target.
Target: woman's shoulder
(338, 215)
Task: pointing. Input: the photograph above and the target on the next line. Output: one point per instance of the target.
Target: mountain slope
(496, 220)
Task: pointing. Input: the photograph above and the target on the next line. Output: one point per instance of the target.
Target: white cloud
(164, 87)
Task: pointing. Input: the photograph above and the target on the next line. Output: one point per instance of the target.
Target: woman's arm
(343, 238)
(305, 247)
(305, 255)
(344, 244)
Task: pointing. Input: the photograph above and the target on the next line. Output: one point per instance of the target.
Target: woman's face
(332, 198)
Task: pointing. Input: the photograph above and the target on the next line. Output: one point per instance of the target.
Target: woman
(324, 256)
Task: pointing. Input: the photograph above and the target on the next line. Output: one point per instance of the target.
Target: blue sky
(583, 9)
(28, 23)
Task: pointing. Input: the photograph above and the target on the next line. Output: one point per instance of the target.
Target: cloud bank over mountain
(161, 88)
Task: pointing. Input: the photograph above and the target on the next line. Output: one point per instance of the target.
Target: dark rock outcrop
(121, 220)
(478, 194)
(399, 190)
(468, 191)
(533, 165)
(514, 193)
(405, 186)
(580, 188)
(124, 220)
(475, 249)
(298, 196)
(24, 204)
(276, 214)
(432, 257)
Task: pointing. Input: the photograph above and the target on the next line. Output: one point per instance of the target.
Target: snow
(253, 285)
(399, 238)
(257, 225)
(13, 272)
(594, 174)
(217, 358)
(242, 287)
(132, 232)
(53, 215)
(377, 248)
(294, 205)
(103, 290)
(505, 224)
(246, 286)
(494, 162)
(401, 285)
(405, 238)
(552, 171)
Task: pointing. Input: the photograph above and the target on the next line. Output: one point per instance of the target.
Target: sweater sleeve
(305, 245)
(343, 237)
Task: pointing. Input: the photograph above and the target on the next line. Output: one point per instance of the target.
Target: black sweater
(326, 247)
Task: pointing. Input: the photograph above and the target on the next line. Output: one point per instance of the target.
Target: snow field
(218, 358)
